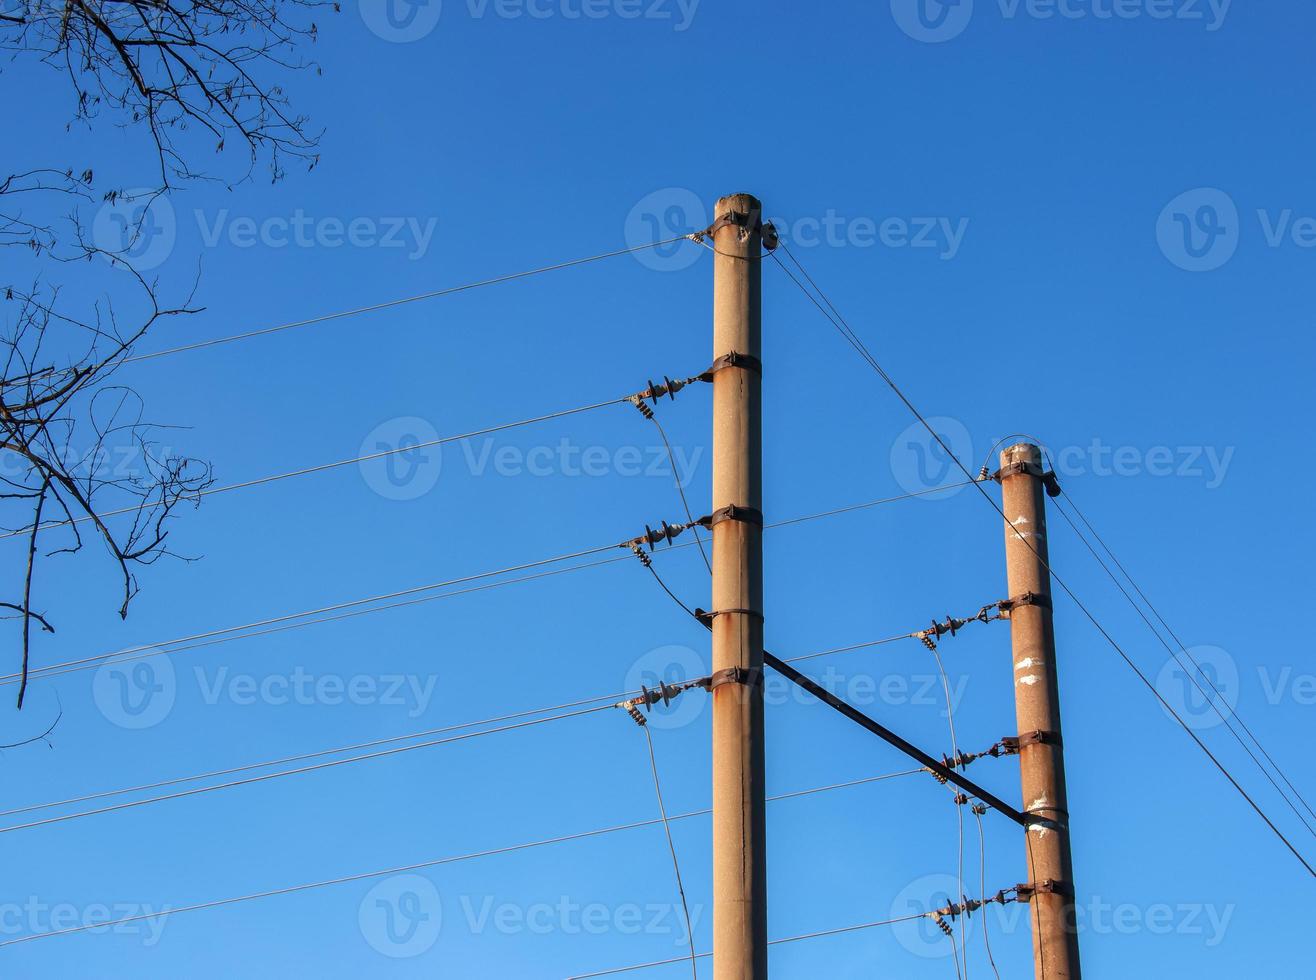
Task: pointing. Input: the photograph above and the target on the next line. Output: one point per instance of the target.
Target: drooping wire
(389, 304)
(671, 846)
(680, 488)
(838, 321)
(959, 816)
(982, 886)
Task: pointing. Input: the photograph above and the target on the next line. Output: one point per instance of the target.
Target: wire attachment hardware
(953, 624)
(655, 391)
(967, 906)
(1048, 477)
(664, 692)
(745, 222)
(653, 536)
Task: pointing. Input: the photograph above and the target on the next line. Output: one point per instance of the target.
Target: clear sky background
(1055, 294)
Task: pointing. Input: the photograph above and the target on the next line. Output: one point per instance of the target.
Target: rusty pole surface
(740, 940)
(1037, 707)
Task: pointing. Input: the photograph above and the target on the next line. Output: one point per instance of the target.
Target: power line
(293, 772)
(1219, 695)
(433, 294)
(671, 846)
(367, 875)
(228, 634)
(1209, 699)
(839, 322)
(215, 774)
(322, 467)
(609, 701)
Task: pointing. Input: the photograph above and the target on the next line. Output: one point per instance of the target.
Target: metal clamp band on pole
(1024, 599)
(732, 512)
(1048, 886)
(733, 675)
(1015, 743)
(733, 359)
(706, 617)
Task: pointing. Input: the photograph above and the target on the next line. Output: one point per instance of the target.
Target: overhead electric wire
(389, 304)
(671, 846)
(231, 633)
(959, 818)
(1202, 691)
(607, 701)
(680, 489)
(1217, 695)
(294, 772)
(838, 321)
(322, 467)
(365, 876)
(320, 753)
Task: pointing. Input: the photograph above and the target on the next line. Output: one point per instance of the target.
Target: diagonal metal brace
(938, 768)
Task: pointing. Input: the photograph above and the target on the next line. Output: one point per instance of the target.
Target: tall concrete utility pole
(740, 940)
(1037, 707)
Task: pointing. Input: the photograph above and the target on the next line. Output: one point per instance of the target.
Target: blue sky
(1093, 226)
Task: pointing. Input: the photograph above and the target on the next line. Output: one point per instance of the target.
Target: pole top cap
(1022, 452)
(742, 203)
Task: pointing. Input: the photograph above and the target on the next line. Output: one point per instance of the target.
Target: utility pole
(1050, 885)
(740, 940)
